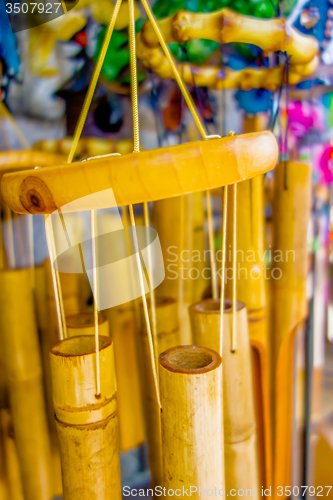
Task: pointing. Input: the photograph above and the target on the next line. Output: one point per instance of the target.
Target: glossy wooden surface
(145, 176)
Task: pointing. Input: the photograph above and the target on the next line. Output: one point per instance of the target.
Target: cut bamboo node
(73, 380)
(192, 418)
(190, 359)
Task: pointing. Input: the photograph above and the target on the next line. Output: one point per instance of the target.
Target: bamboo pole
(192, 420)
(291, 212)
(23, 364)
(46, 338)
(128, 390)
(10, 481)
(251, 290)
(179, 223)
(87, 426)
(124, 329)
(167, 329)
(240, 438)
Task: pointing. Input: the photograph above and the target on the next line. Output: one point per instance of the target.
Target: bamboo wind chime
(190, 377)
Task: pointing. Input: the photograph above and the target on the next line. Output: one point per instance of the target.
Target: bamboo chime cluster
(188, 369)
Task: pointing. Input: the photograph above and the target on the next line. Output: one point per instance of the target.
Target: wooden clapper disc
(291, 213)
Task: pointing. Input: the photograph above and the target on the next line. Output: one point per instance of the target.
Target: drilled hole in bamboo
(79, 346)
(189, 359)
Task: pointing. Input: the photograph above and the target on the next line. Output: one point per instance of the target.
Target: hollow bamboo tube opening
(124, 329)
(87, 426)
(167, 329)
(24, 369)
(192, 419)
(241, 466)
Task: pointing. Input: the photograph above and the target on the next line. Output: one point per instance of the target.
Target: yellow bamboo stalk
(179, 237)
(128, 390)
(251, 290)
(168, 335)
(10, 479)
(192, 420)
(124, 329)
(46, 339)
(291, 212)
(240, 438)
(87, 426)
(24, 369)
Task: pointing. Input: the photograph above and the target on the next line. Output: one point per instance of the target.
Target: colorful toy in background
(9, 58)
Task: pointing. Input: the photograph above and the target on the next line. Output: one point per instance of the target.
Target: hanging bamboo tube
(23, 364)
(167, 326)
(251, 290)
(128, 390)
(240, 437)
(10, 479)
(124, 329)
(192, 420)
(291, 212)
(179, 223)
(87, 426)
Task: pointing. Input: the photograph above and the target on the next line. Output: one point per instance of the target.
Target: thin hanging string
(136, 136)
(95, 294)
(234, 265)
(10, 234)
(55, 278)
(76, 138)
(20, 136)
(208, 198)
(198, 121)
(224, 245)
(31, 247)
(93, 83)
(182, 86)
(151, 288)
